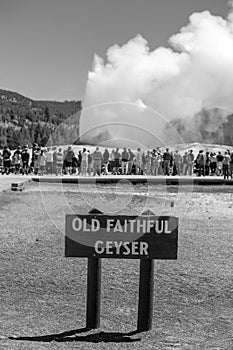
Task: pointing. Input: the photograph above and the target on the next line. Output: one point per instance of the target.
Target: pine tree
(47, 115)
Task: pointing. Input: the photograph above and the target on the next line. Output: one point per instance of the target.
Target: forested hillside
(23, 120)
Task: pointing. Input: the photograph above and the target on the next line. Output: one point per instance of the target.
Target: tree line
(24, 121)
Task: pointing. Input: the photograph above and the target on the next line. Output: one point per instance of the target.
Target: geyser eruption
(124, 124)
(136, 91)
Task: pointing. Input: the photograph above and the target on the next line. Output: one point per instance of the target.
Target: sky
(47, 47)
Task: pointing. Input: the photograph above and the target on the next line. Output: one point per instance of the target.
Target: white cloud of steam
(196, 72)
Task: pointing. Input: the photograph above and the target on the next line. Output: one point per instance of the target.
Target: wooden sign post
(144, 237)
(93, 293)
(146, 289)
(93, 289)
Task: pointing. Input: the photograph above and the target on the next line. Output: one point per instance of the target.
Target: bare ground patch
(43, 294)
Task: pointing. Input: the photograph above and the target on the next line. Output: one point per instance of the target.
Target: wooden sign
(127, 237)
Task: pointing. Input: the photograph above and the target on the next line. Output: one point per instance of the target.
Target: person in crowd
(42, 162)
(124, 161)
(25, 156)
(117, 158)
(55, 160)
(130, 162)
(196, 164)
(219, 163)
(79, 159)
(75, 165)
(148, 163)
(202, 162)
(12, 165)
(185, 163)
(231, 165)
(167, 158)
(68, 160)
(84, 162)
(226, 165)
(159, 164)
(89, 160)
(143, 167)
(60, 161)
(6, 154)
(112, 162)
(1, 163)
(207, 164)
(49, 161)
(97, 160)
(106, 161)
(213, 163)
(17, 160)
(171, 164)
(138, 162)
(153, 156)
(155, 163)
(34, 147)
(190, 162)
(36, 160)
(177, 163)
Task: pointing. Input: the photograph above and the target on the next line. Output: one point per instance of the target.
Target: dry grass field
(43, 294)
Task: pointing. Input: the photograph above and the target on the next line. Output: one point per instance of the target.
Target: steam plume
(194, 73)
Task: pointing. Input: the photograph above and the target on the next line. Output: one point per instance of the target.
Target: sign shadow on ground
(70, 336)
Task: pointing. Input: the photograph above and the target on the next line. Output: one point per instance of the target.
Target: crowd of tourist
(54, 160)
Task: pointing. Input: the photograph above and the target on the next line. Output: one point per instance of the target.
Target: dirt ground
(43, 294)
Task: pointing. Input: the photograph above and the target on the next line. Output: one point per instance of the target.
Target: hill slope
(23, 120)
